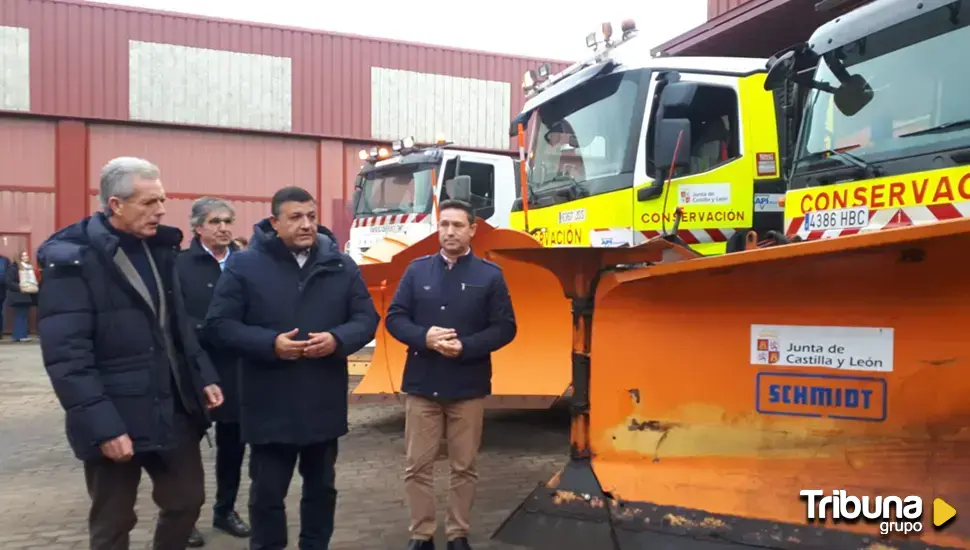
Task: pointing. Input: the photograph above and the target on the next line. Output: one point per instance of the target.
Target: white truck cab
(395, 189)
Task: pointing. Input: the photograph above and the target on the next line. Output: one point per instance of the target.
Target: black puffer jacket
(104, 348)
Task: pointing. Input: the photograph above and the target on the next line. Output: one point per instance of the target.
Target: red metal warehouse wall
(80, 54)
(245, 169)
(717, 7)
(27, 182)
(227, 108)
(751, 28)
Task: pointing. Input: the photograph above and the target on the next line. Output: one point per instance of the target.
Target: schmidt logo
(821, 395)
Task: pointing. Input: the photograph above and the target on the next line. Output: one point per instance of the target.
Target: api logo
(821, 396)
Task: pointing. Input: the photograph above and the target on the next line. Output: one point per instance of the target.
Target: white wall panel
(179, 84)
(14, 69)
(467, 111)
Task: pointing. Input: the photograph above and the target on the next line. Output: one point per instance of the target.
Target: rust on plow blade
(530, 373)
(684, 436)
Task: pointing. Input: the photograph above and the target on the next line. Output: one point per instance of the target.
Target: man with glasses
(199, 268)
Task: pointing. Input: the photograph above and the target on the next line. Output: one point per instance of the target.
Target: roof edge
(728, 19)
(272, 26)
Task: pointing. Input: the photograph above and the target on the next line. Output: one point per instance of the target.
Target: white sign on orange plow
(867, 349)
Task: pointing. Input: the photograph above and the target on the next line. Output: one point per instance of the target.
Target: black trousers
(178, 489)
(230, 451)
(271, 470)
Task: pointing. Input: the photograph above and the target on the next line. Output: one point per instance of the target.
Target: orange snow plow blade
(531, 372)
(714, 390)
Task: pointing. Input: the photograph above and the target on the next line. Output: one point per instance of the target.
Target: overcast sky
(554, 30)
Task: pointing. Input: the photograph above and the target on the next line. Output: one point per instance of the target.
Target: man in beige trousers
(452, 310)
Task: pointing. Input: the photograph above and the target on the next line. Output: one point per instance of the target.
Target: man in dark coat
(294, 307)
(199, 268)
(124, 362)
(452, 310)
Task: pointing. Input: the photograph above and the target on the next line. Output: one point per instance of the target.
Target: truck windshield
(401, 190)
(919, 104)
(583, 137)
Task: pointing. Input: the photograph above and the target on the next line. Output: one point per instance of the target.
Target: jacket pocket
(131, 382)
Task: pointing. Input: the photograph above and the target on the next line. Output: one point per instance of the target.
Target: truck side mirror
(677, 100)
(669, 130)
(854, 94)
(672, 118)
(779, 70)
(353, 201)
(460, 188)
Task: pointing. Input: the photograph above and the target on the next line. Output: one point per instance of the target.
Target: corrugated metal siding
(752, 28)
(218, 163)
(26, 182)
(720, 7)
(31, 213)
(82, 66)
(468, 111)
(352, 165)
(26, 154)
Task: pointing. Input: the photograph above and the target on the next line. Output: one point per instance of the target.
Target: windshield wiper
(573, 186)
(945, 127)
(850, 160)
(382, 211)
(533, 197)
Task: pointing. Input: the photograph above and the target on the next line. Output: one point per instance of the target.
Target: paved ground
(43, 504)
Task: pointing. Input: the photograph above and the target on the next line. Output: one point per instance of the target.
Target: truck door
(482, 171)
(712, 180)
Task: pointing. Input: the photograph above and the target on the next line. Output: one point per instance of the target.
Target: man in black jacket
(294, 307)
(125, 364)
(199, 267)
(452, 310)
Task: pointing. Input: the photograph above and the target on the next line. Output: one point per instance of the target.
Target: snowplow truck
(603, 138)
(826, 413)
(398, 188)
(620, 143)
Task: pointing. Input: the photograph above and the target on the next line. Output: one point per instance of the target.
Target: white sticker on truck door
(705, 193)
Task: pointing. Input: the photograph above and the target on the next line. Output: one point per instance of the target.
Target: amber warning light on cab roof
(601, 42)
(398, 147)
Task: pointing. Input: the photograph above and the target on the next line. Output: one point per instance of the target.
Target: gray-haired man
(124, 361)
(199, 268)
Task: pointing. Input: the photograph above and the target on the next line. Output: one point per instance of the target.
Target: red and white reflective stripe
(887, 218)
(689, 236)
(698, 236)
(393, 219)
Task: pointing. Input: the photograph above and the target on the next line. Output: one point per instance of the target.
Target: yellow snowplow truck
(620, 142)
(829, 412)
(605, 132)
